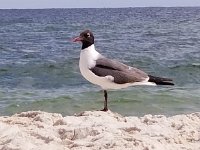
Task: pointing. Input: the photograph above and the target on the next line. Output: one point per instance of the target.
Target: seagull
(108, 73)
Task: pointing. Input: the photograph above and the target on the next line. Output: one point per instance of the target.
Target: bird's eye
(88, 34)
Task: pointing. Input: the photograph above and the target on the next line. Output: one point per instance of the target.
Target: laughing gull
(108, 73)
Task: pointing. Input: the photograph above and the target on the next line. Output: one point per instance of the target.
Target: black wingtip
(160, 81)
(165, 83)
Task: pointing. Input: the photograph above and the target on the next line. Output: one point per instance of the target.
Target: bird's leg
(105, 101)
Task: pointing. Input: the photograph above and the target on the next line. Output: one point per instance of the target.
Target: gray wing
(122, 73)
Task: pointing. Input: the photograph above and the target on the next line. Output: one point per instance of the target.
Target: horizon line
(103, 7)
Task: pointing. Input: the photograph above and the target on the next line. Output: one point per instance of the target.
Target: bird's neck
(89, 48)
(86, 44)
(90, 53)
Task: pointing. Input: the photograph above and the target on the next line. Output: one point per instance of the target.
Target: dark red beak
(77, 39)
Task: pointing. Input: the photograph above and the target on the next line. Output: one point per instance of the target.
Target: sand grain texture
(93, 130)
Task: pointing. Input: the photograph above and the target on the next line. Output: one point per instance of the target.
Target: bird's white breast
(87, 60)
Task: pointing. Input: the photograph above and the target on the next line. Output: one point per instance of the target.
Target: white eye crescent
(88, 34)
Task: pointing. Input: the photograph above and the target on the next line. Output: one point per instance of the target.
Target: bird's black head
(86, 37)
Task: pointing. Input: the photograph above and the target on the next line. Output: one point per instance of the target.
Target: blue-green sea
(39, 63)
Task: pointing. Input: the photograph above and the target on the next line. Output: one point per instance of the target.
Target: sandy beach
(36, 130)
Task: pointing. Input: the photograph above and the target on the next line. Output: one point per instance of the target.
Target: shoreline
(99, 130)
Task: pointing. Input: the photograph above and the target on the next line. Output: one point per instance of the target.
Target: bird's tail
(160, 81)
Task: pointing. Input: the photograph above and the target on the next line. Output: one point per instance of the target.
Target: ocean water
(39, 63)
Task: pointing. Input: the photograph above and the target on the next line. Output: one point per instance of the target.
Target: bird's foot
(105, 109)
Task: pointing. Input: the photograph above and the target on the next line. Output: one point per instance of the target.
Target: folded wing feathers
(122, 73)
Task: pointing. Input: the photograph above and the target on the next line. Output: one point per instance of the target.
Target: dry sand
(94, 130)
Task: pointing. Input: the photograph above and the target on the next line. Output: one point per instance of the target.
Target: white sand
(96, 130)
